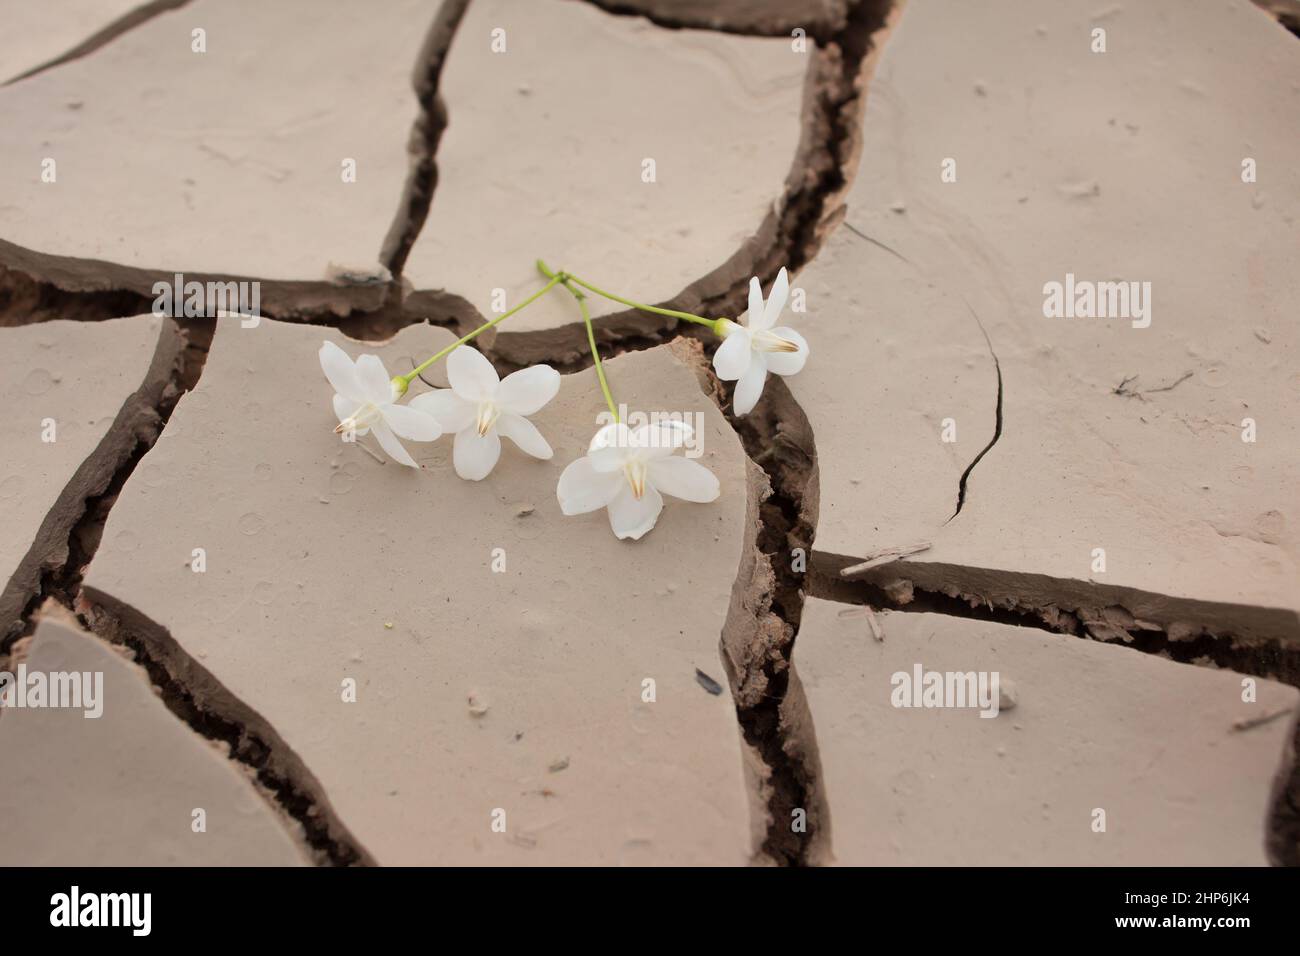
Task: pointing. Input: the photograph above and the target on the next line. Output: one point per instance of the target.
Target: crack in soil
(417, 195)
(807, 210)
(997, 420)
(1285, 12)
(58, 549)
(25, 300)
(128, 21)
(770, 706)
(790, 236)
(775, 720)
(772, 18)
(767, 603)
(257, 748)
(1114, 624)
(326, 838)
(63, 581)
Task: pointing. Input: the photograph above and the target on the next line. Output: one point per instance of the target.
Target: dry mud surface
(344, 661)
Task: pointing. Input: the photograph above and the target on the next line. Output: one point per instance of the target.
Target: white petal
(389, 443)
(475, 455)
(525, 392)
(452, 411)
(614, 435)
(754, 317)
(732, 357)
(471, 375)
(343, 407)
(606, 460)
(375, 382)
(412, 423)
(684, 478)
(524, 434)
(787, 363)
(583, 489)
(662, 438)
(342, 374)
(632, 517)
(776, 299)
(750, 386)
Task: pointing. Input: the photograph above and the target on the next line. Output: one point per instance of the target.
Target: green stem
(564, 279)
(713, 324)
(411, 375)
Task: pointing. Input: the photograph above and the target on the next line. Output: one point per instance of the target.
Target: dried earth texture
(477, 690)
(338, 644)
(79, 399)
(1094, 727)
(37, 35)
(268, 169)
(603, 163)
(129, 786)
(750, 17)
(1073, 436)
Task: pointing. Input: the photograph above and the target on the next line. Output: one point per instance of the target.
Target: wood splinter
(885, 556)
(873, 622)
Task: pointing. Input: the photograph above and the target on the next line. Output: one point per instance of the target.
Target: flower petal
(374, 380)
(475, 455)
(606, 460)
(524, 434)
(525, 392)
(389, 443)
(471, 375)
(582, 489)
(662, 438)
(452, 411)
(684, 478)
(614, 435)
(630, 516)
(754, 317)
(787, 363)
(732, 357)
(750, 386)
(412, 423)
(776, 299)
(342, 374)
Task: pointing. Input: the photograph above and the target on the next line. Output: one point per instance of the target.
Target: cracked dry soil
(759, 640)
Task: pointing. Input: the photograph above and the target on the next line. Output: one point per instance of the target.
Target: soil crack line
(277, 770)
(128, 21)
(417, 195)
(997, 420)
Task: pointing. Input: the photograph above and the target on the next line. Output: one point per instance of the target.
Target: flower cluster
(626, 471)
(479, 407)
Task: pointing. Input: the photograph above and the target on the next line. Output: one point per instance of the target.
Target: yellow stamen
(636, 472)
(487, 417)
(768, 342)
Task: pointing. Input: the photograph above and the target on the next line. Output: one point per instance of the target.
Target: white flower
(748, 352)
(626, 470)
(365, 401)
(480, 407)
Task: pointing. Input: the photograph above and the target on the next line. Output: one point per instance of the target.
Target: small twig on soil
(885, 556)
(873, 622)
